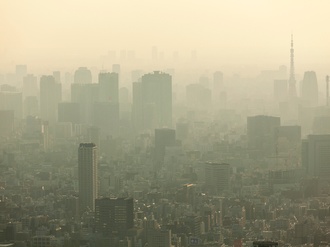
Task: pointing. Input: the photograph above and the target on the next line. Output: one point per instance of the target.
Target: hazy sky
(246, 31)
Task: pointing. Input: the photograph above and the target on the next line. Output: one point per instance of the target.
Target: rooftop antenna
(292, 79)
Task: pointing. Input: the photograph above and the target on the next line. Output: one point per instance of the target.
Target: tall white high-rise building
(87, 175)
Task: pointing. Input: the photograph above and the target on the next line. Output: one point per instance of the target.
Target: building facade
(87, 172)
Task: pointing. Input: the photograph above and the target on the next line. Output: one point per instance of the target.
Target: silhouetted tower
(50, 96)
(87, 176)
(163, 138)
(292, 79)
(152, 101)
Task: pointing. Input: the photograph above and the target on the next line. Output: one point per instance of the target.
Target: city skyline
(156, 123)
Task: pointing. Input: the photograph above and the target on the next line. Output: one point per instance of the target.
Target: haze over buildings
(213, 31)
(164, 124)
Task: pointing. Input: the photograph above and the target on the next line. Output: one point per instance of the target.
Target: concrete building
(109, 87)
(163, 138)
(152, 101)
(12, 101)
(50, 96)
(105, 115)
(159, 238)
(85, 95)
(114, 216)
(30, 85)
(7, 122)
(316, 156)
(217, 177)
(260, 135)
(83, 76)
(69, 112)
(87, 175)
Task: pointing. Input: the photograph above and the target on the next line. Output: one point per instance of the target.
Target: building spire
(292, 80)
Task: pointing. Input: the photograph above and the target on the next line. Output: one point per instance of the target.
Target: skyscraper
(108, 87)
(105, 115)
(87, 176)
(30, 85)
(309, 88)
(12, 101)
(114, 216)
(292, 79)
(163, 138)
(317, 156)
(83, 76)
(50, 96)
(260, 135)
(6, 123)
(152, 101)
(157, 95)
(85, 95)
(69, 112)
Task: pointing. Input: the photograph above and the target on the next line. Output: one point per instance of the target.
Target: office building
(182, 130)
(36, 132)
(137, 107)
(31, 106)
(163, 138)
(217, 177)
(87, 176)
(152, 101)
(57, 76)
(30, 86)
(6, 123)
(43, 241)
(109, 88)
(82, 76)
(260, 135)
(321, 125)
(309, 89)
(69, 112)
(159, 238)
(316, 156)
(85, 95)
(93, 135)
(50, 96)
(291, 133)
(116, 68)
(106, 118)
(63, 130)
(114, 216)
(12, 101)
